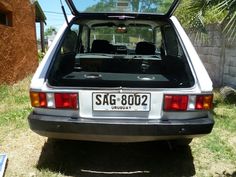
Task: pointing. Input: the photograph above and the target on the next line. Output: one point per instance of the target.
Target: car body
(122, 76)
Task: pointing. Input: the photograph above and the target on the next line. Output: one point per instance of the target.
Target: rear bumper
(118, 131)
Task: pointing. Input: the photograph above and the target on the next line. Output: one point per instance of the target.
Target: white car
(123, 71)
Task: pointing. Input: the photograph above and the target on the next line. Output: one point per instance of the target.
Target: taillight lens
(66, 100)
(57, 100)
(175, 102)
(38, 99)
(204, 102)
(187, 102)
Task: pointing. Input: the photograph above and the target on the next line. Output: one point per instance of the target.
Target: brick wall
(18, 50)
(218, 55)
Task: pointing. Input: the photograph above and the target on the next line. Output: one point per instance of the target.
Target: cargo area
(121, 53)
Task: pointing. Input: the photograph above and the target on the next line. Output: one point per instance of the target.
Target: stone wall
(18, 50)
(217, 54)
(229, 77)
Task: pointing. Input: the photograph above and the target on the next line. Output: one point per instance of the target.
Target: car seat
(145, 48)
(101, 46)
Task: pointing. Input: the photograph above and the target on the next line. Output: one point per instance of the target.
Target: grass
(220, 145)
(14, 104)
(213, 155)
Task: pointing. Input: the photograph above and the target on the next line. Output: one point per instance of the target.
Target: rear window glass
(114, 54)
(132, 35)
(128, 6)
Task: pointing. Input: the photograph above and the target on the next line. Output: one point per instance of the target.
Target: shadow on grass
(92, 159)
(225, 174)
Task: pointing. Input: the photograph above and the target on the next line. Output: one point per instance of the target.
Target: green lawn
(212, 155)
(218, 148)
(15, 104)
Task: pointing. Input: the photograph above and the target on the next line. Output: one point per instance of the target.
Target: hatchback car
(121, 71)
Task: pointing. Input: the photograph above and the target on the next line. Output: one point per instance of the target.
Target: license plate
(121, 101)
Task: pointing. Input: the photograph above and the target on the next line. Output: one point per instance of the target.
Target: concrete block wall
(229, 77)
(18, 50)
(218, 56)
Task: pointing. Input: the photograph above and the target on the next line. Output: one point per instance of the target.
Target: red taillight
(57, 100)
(175, 102)
(66, 100)
(204, 102)
(43, 100)
(187, 102)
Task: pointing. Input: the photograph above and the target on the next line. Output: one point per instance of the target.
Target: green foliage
(196, 15)
(229, 6)
(40, 56)
(49, 31)
(134, 34)
(152, 6)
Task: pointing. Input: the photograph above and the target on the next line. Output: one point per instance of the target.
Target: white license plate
(121, 101)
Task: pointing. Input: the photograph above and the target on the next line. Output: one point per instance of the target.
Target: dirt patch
(90, 159)
(208, 162)
(32, 155)
(232, 142)
(221, 169)
(35, 156)
(23, 149)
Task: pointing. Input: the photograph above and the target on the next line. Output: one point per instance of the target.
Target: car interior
(86, 55)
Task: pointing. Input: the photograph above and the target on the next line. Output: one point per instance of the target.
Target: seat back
(145, 48)
(70, 42)
(101, 46)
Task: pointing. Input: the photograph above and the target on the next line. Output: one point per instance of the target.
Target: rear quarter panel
(203, 80)
(39, 77)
